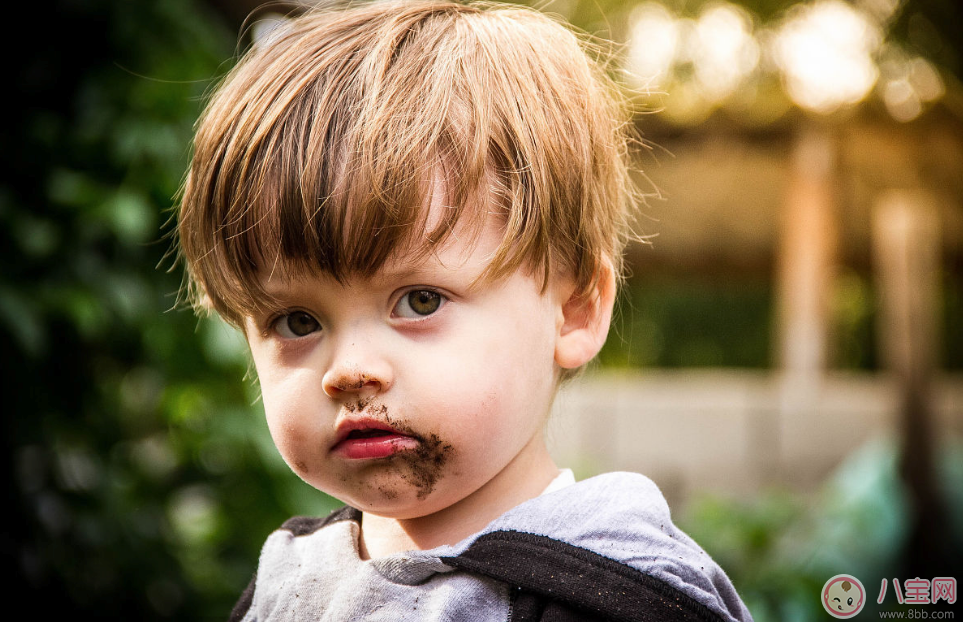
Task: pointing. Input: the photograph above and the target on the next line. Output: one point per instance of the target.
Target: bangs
(323, 150)
(329, 166)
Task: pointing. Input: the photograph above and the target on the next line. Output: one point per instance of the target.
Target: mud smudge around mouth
(425, 465)
(361, 404)
(388, 493)
(421, 467)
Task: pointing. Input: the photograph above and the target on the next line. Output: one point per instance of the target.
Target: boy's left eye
(419, 303)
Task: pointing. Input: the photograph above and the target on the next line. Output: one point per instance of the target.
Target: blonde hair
(318, 150)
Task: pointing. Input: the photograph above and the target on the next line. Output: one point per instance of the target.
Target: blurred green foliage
(780, 548)
(141, 474)
(694, 322)
(675, 322)
(142, 477)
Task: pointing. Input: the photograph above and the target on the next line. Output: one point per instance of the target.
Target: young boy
(415, 212)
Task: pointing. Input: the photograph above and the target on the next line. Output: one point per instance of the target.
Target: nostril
(356, 384)
(346, 385)
(352, 383)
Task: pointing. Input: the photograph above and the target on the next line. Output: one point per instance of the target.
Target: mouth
(368, 438)
(367, 433)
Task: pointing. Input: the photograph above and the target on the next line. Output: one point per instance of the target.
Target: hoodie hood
(606, 544)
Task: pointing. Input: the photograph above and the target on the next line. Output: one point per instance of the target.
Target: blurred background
(787, 356)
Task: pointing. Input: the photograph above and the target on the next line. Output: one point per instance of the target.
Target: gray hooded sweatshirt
(601, 549)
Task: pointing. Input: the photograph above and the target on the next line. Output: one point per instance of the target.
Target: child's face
(407, 392)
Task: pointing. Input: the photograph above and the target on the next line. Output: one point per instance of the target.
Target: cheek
(499, 374)
(292, 418)
(487, 409)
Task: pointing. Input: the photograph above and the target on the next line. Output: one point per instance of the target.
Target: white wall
(733, 432)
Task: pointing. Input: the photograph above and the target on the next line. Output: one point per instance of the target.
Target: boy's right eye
(296, 324)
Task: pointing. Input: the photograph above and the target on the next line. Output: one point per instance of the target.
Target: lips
(368, 438)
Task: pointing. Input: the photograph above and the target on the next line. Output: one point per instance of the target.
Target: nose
(356, 372)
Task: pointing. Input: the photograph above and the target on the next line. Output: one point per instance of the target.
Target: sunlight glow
(825, 51)
(723, 49)
(652, 45)
(718, 47)
(827, 55)
(907, 83)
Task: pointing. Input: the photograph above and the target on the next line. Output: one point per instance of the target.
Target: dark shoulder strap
(244, 602)
(306, 525)
(562, 576)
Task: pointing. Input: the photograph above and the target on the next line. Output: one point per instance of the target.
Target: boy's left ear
(585, 319)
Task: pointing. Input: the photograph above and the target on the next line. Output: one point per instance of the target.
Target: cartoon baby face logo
(843, 596)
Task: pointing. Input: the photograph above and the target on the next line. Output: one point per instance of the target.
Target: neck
(522, 479)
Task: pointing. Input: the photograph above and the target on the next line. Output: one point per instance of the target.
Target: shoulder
(297, 537)
(605, 545)
(310, 539)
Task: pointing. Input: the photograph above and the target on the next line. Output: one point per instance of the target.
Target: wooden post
(805, 271)
(807, 255)
(906, 240)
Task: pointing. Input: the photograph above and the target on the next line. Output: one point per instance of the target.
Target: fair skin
(419, 395)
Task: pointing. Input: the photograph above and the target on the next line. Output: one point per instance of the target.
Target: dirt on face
(421, 467)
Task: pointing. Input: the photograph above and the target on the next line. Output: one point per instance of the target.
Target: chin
(391, 502)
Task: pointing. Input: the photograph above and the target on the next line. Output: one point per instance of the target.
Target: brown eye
(419, 303)
(297, 324)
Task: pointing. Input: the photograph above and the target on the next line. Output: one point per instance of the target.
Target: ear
(584, 320)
